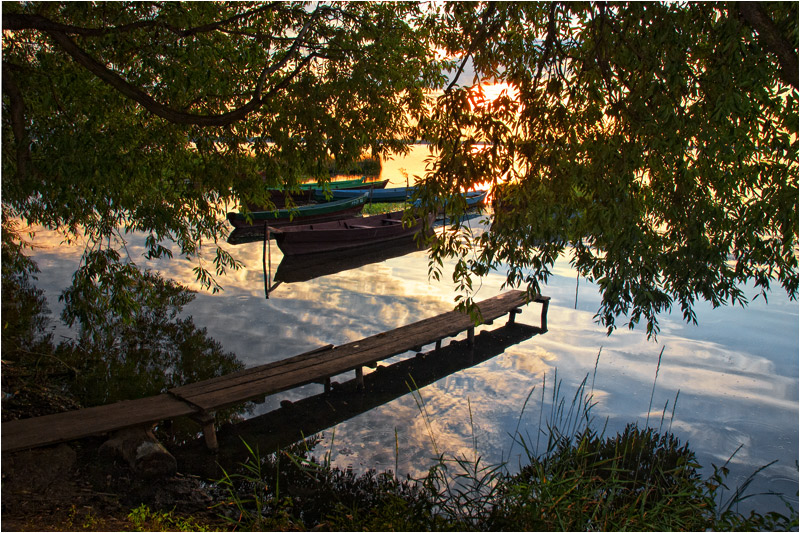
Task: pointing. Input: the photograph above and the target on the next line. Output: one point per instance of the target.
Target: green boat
(334, 185)
(304, 214)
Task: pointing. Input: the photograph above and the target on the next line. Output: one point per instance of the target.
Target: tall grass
(570, 477)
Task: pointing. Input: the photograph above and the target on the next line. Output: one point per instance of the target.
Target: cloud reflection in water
(737, 372)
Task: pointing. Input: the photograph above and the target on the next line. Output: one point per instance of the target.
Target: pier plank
(70, 425)
(294, 372)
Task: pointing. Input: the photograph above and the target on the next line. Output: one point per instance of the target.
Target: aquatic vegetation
(644, 478)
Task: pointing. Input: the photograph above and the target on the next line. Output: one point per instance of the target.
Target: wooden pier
(200, 400)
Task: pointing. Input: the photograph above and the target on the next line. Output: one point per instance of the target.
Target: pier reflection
(294, 421)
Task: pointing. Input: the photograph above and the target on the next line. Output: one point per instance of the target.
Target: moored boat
(396, 194)
(474, 198)
(357, 183)
(393, 194)
(345, 234)
(303, 214)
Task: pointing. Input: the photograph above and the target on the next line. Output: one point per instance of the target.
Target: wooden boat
(393, 194)
(474, 198)
(347, 186)
(302, 214)
(345, 234)
(398, 194)
(342, 184)
(311, 192)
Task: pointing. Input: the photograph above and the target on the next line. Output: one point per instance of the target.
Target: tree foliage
(155, 116)
(654, 144)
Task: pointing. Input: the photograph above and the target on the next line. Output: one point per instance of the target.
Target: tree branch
(770, 37)
(167, 113)
(289, 53)
(17, 104)
(20, 21)
(548, 42)
(477, 40)
(144, 99)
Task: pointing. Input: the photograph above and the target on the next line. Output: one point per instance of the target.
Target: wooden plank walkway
(200, 400)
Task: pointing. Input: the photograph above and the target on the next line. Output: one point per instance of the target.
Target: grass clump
(292, 490)
(639, 480)
(364, 166)
(142, 518)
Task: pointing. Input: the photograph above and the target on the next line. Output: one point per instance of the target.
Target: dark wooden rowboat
(345, 234)
(303, 214)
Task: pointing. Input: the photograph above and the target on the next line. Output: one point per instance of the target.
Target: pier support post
(206, 421)
(438, 345)
(327, 385)
(360, 377)
(513, 314)
(471, 335)
(545, 304)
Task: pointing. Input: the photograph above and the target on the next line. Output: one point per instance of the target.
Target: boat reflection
(294, 421)
(299, 268)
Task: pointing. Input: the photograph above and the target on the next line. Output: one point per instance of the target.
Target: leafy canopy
(654, 144)
(155, 116)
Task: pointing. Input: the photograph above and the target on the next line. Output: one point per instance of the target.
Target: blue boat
(395, 194)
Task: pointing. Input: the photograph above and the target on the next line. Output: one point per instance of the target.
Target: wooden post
(360, 377)
(512, 315)
(328, 385)
(438, 345)
(269, 255)
(206, 421)
(545, 305)
(264, 260)
(471, 335)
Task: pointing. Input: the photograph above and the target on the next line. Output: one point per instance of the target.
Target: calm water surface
(736, 373)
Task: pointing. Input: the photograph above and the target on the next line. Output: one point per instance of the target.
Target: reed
(571, 476)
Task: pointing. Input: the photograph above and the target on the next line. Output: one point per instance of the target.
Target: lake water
(736, 373)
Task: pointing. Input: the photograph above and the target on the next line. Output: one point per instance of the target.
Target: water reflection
(737, 372)
(293, 421)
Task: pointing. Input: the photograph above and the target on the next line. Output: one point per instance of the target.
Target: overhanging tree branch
(172, 115)
(17, 108)
(144, 99)
(548, 42)
(20, 21)
(769, 35)
(485, 30)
